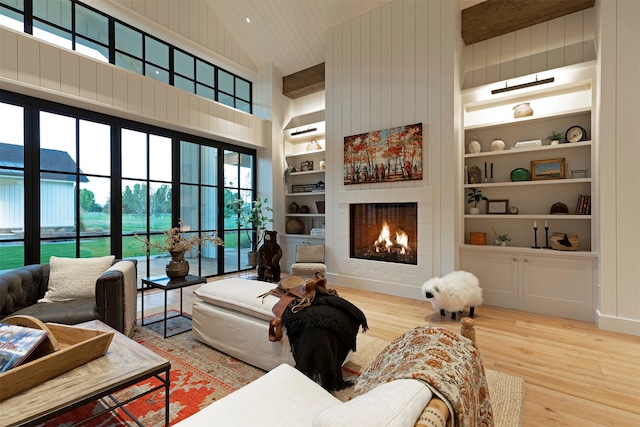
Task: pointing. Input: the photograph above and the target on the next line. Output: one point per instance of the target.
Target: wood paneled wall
(37, 68)
(562, 41)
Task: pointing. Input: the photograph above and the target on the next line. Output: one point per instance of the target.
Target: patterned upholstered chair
(309, 261)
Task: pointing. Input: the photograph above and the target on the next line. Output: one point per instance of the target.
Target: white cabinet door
(559, 286)
(498, 276)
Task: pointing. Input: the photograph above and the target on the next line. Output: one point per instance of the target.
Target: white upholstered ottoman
(231, 318)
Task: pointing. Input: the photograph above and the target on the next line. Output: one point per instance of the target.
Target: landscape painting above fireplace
(387, 155)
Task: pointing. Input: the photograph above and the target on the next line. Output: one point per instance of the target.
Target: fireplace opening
(384, 232)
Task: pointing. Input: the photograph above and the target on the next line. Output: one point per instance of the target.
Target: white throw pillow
(74, 278)
(397, 403)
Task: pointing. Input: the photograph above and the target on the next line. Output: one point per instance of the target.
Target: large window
(239, 182)
(75, 187)
(199, 200)
(73, 25)
(79, 184)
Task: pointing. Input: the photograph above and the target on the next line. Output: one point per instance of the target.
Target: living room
(436, 68)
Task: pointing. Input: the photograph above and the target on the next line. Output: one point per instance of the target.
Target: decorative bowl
(520, 174)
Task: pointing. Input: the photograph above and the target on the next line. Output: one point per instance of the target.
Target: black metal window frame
(240, 102)
(32, 108)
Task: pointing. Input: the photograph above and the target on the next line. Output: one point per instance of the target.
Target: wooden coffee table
(125, 363)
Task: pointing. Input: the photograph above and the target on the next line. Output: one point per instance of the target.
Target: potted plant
(474, 197)
(287, 172)
(252, 216)
(503, 239)
(176, 245)
(555, 138)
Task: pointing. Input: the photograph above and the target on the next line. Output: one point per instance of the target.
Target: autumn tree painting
(387, 155)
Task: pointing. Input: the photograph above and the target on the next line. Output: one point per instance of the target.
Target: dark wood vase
(177, 267)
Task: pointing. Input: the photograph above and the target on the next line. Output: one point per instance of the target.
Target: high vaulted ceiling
(290, 33)
(286, 33)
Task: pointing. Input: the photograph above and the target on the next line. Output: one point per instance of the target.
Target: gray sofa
(114, 302)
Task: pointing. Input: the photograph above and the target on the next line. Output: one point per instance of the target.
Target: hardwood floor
(576, 374)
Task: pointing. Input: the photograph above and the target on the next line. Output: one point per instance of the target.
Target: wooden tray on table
(65, 348)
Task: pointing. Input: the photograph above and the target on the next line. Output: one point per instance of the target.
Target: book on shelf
(317, 232)
(583, 206)
(17, 343)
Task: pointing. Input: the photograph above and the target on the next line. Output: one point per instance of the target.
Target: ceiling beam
(304, 82)
(493, 18)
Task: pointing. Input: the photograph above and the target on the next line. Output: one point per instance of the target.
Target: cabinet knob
(526, 260)
(515, 259)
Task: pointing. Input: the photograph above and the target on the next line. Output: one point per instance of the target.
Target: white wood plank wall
(562, 41)
(390, 67)
(40, 69)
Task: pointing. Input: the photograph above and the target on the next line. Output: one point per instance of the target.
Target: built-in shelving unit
(303, 154)
(527, 274)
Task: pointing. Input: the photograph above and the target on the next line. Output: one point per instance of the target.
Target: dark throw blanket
(321, 336)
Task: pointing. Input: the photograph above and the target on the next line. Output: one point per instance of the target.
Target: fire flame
(385, 244)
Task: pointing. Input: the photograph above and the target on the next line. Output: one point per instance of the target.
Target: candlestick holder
(546, 237)
(535, 239)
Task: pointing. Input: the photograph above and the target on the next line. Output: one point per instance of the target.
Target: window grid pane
(56, 12)
(129, 63)
(205, 73)
(156, 73)
(93, 25)
(243, 89)
(183, 64)
(17, 4)
(184, 84)
(128, 40)
(156, 52)
(225, 82)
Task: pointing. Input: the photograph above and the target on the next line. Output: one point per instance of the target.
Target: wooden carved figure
(269, 256)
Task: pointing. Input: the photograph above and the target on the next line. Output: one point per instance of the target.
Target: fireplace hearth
(385, 232)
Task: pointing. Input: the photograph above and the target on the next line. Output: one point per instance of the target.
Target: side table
(166, 284)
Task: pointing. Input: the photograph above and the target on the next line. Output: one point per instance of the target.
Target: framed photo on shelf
(306, 188)
(497, 207)
(306, 166)
(547, 169)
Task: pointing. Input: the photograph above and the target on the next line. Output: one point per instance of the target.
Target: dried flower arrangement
(174, 242)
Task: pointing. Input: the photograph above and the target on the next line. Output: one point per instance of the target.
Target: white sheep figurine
(453, 292)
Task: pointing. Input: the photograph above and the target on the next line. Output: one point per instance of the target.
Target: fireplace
(384, 232)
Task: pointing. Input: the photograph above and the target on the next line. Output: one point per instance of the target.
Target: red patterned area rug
(199, 376)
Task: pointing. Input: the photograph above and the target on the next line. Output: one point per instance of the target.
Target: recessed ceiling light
(248, 19)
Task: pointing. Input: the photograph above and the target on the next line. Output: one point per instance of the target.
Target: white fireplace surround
(390, 278)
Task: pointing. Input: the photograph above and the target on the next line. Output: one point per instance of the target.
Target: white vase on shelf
(474, 211)
(497, 145)
(474, 146)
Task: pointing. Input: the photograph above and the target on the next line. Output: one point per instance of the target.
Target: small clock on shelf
(575, 134)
